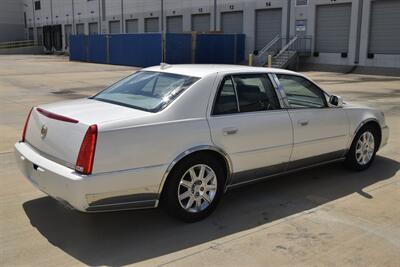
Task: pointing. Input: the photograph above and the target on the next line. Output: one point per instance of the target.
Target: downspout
(73, 17)
(122, 16)
(215, 15)
(99, 11)
(358, 38)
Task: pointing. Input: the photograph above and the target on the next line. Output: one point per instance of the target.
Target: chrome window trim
(267, 76)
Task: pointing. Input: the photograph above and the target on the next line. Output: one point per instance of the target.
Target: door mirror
(336, 101)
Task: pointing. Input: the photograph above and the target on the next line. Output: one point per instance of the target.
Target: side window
(301, 93)
(255, 93)
(226, 100)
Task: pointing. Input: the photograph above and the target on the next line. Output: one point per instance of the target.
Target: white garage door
(93, 28)
(132, 26)
(80, 28)
(175, 24)
(333, 28)
(115, 27)
(232, 22)
(201, 22)
(151, 25)
(385, 27)
(268, 26)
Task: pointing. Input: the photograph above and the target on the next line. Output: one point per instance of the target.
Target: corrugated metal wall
(268, 25)
(232, 22)
(333, 28)
(385, 27)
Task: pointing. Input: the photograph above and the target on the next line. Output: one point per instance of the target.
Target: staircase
(284, 51)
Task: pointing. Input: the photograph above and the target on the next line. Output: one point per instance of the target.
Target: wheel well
(207, 153)
(377, 127)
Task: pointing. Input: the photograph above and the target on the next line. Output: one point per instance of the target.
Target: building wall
(103, 11)
(12, 26)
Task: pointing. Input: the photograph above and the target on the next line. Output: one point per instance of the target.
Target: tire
(357, 158)
(184, 197)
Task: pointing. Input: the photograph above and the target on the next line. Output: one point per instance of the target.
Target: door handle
(302, 122)
(230, 130)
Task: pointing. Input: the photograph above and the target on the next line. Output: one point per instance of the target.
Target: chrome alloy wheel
(365, 148)
(197, 188)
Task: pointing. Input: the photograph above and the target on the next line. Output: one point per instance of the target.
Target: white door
(249, 125)
(320, 132)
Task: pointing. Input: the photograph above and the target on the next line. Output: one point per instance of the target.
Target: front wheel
(194, 188)
(363, 149)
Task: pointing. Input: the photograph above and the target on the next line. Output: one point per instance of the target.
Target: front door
(320, 132)
(248, 123)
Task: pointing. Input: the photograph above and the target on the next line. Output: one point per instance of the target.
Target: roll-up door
(115, 27)
(268, 25)
(384, 35)
(67, 33)
(175, 24)
(80, 28)
(132, 26)
(151, 25)
(333, 28)
(201, 22)
(93, 28)
(232, 22)
(39, 36)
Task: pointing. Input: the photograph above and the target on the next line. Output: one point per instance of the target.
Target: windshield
(145, 90)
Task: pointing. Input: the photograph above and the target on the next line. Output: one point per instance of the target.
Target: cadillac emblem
(43, 131)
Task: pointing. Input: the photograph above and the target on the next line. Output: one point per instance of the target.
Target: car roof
(202, 70)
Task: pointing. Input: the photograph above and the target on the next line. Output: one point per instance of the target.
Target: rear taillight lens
(26, 125)
(84, 163)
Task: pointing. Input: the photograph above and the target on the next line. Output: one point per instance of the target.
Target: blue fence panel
(178, 48)
(215, 48)
(77, 48)
(97, 48)
(240, 47)
(135, 49)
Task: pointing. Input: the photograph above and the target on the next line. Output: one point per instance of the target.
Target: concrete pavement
(327, 216)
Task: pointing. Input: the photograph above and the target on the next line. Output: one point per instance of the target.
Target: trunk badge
(43, 131)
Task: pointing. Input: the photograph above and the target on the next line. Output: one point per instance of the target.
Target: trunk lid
(57, 130)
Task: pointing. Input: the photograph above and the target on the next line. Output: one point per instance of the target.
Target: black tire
(351, 158)
(169, 200)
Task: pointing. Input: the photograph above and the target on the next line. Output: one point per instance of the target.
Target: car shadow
(121, 238)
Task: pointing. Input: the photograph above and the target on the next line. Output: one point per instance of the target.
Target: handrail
(286, 46)
(16, 44)
(260, 58)
(268, 46)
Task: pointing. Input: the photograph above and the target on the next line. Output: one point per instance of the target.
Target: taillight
(56, 116)
(84, 163)
(26, 125)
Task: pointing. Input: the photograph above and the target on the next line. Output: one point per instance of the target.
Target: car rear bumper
(99, 192)
(385, 136)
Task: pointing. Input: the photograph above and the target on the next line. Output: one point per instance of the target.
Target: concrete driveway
(327, 216)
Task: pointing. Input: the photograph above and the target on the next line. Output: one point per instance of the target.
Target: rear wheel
(363, 149)
(194, 188)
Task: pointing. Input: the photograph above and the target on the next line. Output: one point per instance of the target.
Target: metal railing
(275, 48)
(17, 44)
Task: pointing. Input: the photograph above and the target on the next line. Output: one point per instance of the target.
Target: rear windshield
(145, 90)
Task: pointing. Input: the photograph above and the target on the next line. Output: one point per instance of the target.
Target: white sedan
(181, 135)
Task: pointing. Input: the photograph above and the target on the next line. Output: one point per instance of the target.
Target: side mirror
(335, 100)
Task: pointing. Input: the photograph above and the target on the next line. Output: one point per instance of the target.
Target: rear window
(145, 90)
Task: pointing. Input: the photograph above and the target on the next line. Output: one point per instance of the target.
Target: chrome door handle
(302, 122)
(230, 130)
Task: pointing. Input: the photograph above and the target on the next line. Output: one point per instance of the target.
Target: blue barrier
(97, 48)
(77, 47)
(145, 50)
(135, 49)
(178, 48)
(220, 48)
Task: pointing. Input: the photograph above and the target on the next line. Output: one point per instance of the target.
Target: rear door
(247, 122)
(320, 132)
